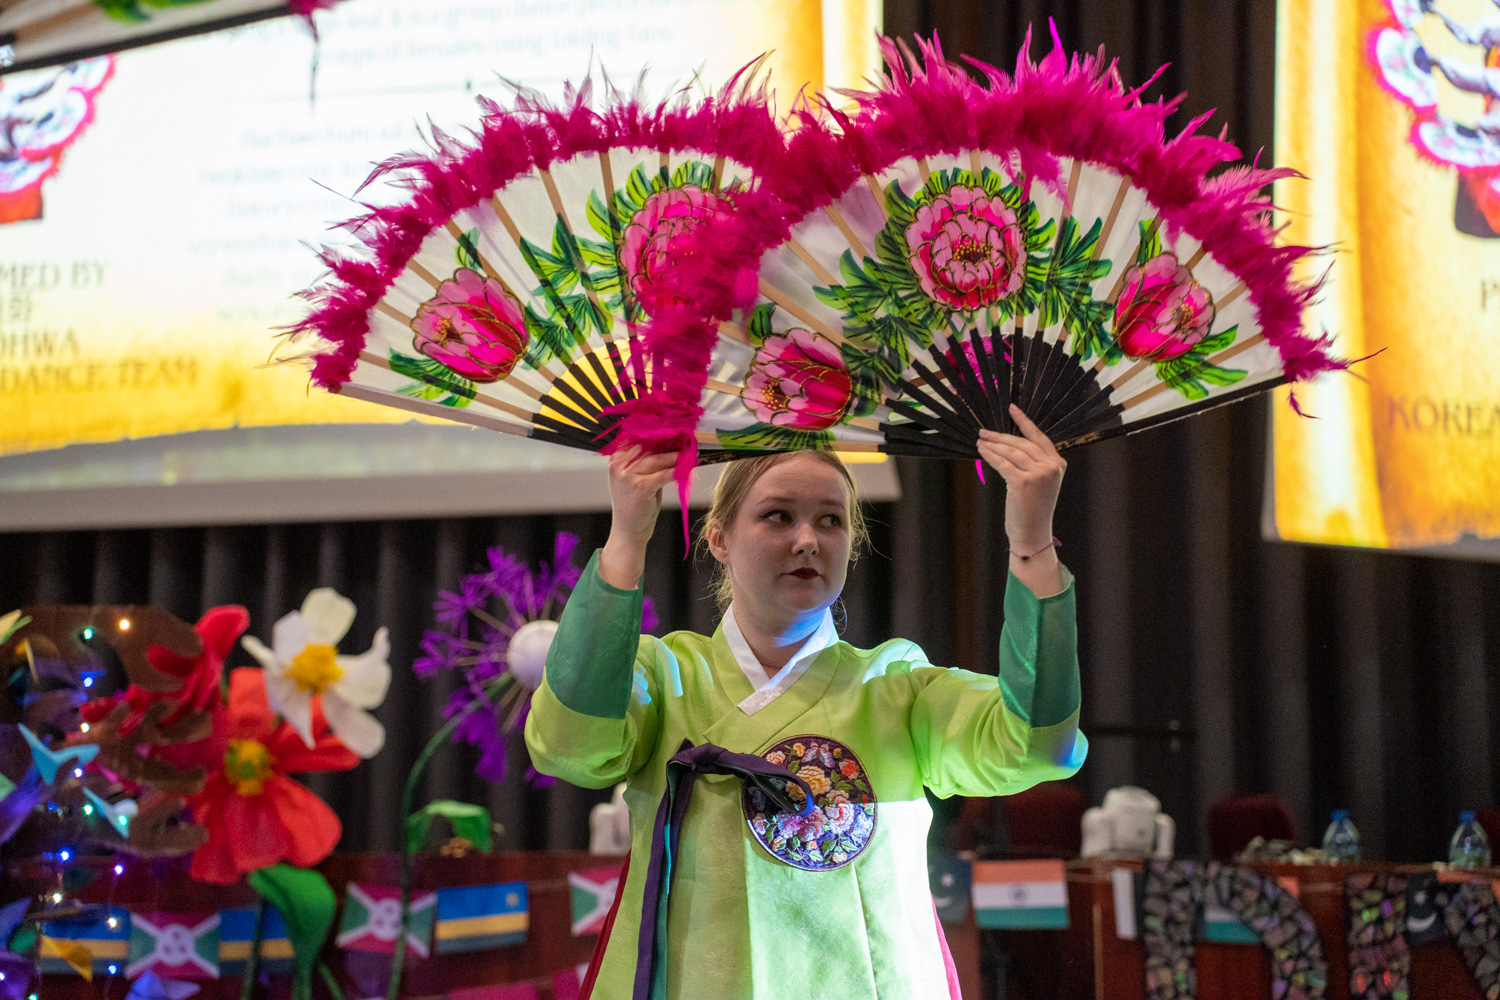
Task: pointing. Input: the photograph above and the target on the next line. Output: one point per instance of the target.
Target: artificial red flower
(219, 629)
(256, 815)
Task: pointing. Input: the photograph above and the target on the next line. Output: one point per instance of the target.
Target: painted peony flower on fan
(967, 249)
(646, 243)
(798, 380)
(473, 326)
(303, 664)
(1162, 312)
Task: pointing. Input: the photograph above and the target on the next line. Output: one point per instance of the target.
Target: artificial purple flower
(475, 626)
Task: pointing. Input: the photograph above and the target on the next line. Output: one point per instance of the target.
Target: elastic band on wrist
(1054, 544)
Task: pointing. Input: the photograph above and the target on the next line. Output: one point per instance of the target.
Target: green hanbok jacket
(742, 925)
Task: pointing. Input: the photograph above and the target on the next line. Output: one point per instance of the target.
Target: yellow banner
(1385, 106)
(140, 282)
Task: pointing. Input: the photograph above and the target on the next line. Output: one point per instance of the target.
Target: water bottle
(1341, 840)
(1469, 848)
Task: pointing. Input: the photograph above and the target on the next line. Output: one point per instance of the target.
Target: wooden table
(550, 946)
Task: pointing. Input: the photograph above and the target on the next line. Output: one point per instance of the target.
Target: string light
(119, 869)
(113, 969)
(88, 633)
(113, 922)
(65, 854)
(88, 682)
(85, 727)
(57, 897)
(124, 624)
(88, 809)
(77, 772)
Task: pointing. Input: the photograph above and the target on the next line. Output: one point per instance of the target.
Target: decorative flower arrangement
(186, 760)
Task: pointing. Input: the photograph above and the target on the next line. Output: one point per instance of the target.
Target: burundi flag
(1020, 894)
(237, 933)
(87, 944)
(174, 945)
(475, 917)
(593, 891)
(372, 919)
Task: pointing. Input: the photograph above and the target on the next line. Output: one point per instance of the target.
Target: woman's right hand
(635, 485)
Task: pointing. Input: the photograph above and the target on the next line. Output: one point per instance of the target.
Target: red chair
(1235, 821)
(1045, 821)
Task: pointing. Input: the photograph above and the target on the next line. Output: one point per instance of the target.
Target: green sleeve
(981, 735)
(594, 718)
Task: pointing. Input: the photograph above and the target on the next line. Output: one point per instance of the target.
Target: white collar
(767, 690)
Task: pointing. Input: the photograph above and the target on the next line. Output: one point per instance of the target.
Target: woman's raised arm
(1033, 473)
(635, 485)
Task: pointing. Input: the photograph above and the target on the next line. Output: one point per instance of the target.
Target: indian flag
(1016, 895)
(475, 917)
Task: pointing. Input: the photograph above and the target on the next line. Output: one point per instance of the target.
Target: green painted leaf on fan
(692, 173)
(768, 437)
(306, 903)
(124, 11)
(467, 251)
(555, 273)
(1216, 342)
(601, 221)
(546, 339)
(759, 326)
(597, 255)
(431, 380)
(1150, 242)
(1189, 373)
(469, 821)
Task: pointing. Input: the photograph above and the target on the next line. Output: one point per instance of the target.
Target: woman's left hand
(1033, 474)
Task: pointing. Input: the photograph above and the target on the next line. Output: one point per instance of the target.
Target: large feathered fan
(508, 286)
(1033, 240)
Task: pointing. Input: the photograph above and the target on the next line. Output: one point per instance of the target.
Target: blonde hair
(734, 486)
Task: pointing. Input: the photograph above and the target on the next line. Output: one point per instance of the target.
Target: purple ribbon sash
(690, 761)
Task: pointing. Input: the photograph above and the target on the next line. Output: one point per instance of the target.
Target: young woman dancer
(775, 774)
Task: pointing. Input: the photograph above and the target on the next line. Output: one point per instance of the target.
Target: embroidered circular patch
(843, 820)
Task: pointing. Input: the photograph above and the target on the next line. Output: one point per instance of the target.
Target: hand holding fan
(1030, 240)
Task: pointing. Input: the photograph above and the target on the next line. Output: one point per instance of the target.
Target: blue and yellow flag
(475, 917)
(93, 942)
(237, 932)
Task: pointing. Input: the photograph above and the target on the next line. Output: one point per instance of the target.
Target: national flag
(237, 933)
(174, 945)
(593, 891)
(95, 941)
(949, 877)
(1020, 894)
(475, 917)
(1222, 925)
(372, 919)
(568, 984)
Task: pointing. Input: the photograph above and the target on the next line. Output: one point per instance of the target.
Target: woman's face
(787, 552)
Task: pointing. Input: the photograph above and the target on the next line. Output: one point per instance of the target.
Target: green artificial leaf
(469, 821)
(11, 623)
(307, 904)
(467, 251)
(24, 939)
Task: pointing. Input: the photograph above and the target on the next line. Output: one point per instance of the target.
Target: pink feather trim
(1077, 108)
(454, 174)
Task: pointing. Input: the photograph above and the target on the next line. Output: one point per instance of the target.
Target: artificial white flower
(303, 661)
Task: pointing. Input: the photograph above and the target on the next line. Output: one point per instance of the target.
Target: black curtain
(1214, 663)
